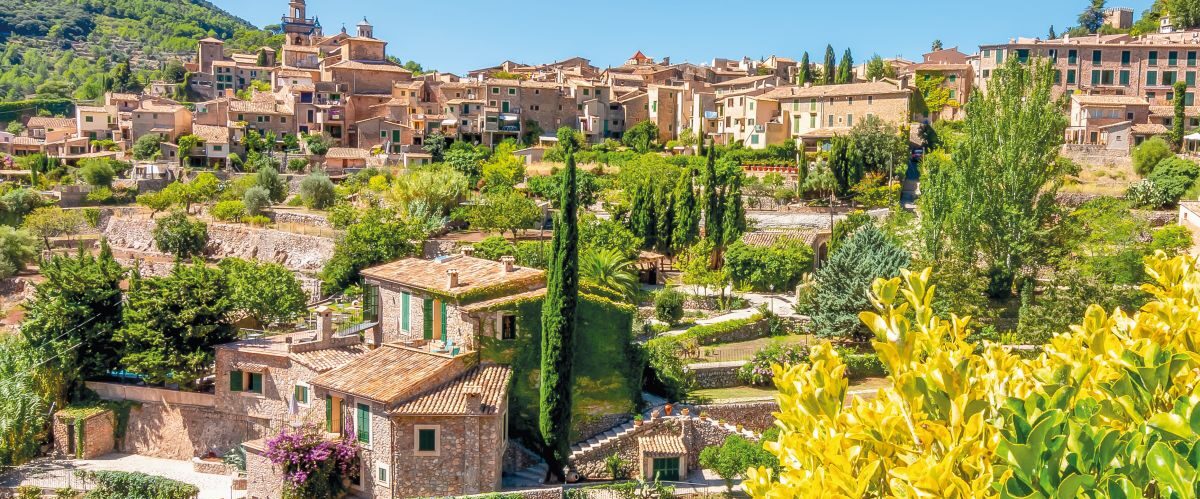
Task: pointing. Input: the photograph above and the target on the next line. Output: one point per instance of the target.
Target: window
(1190, 78)
(586, 92)
(1189, 99)
(754, 139)
(1106, 77)
(256, 383)
(1072, 56)
(1057, 76)
(88, 119)
(300, 394)
(363, 423)
(1153, 58)
(382, 473)
(1125, 56)
(1169, 77)
(850, 100)
(1070, 77)
(426, 440)
(831, 120)
(218, 148)
(495, 90)
(666, 469)
(1152, 78)
(812, 121)
(508, 327)
(235, 381)
(512, 91)
(1097, 57)
(1191, 59)
(1125, 77)
(849, 120)
(1172, 58)
(1095, 77)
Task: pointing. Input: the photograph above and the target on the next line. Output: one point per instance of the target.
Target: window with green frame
(426, 440)
(235, 381)
(256, 383)
(666, 469)
(405, 311)
(362, 423)
(300, 394)
(370, 303)
(444, 316)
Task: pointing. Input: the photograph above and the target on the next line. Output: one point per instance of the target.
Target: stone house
(808, 114)
(50, 129)
(162, 117)
(1106, 121)
(94, 122)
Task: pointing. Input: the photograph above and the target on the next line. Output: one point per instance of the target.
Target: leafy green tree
(687, 213)
(17, 248)
(159, 201)
(267, 293)
(503, 210)
(317, 191)
(558, 328)
(51, 221)
(186, 143)
(318, 143)
(261, 60)
(25, 383)
(97, 172)
(1174, 177)
(828, 74)
(879, 147)
(846, 68)
(1149, 154)
(181, 236)
(1185, 14)
(1179, 123)
(174, 71)
(597, 233)
(734, 456)
(997, 200)
(435, 145)
(611, 271)
(73, 316)
(668, 306)
(778, 267)
(804, 70)
(172, 323)
(840, 291)
(256, 200)
(439, 187)
(1092, 18)
(504, 170)
(123, 79)
(467, 160)
(147, 147)
(378, 236)
(878, 69)
(641, 137)
(1172, 240)
(269, 179)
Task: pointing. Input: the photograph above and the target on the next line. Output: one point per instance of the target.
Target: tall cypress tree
(687, 213)
(714, 219)
(804, 72)
(558, 323)
(733, 223)
(830, 66)
(1178, 123)
(846, 68)
(664, 201)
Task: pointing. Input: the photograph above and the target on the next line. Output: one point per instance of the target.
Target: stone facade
(97, 439)
(297, 252)
(182, 432)
(477, 469)
(717, 374)
(696, 434)
(754, 416)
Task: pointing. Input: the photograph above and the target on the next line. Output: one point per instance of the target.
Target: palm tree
(610, 270)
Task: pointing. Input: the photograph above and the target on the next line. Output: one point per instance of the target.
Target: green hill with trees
(81, 48)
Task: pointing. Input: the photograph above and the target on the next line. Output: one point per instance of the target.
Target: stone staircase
(527, 478)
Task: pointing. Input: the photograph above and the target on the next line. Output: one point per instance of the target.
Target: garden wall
(717, 374)
(297, 252)
(754, 416)
(697, 434)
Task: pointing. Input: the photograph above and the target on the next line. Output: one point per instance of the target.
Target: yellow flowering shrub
(1107, 409)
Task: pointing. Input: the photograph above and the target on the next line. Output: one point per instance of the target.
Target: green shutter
(329, 414)
(364, 423)
(256, 385)
(235, 381)
(405, 311)
(427, 316)
(426, 440)
(443, 314)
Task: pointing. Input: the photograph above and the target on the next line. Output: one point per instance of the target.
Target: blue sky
(468, 34)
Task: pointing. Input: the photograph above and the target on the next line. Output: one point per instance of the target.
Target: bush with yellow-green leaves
(1108, 409)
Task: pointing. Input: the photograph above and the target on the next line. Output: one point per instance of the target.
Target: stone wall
(517, 457)
(754, 416)
(1097, 155)
(591, 427)
(717, 374)
(182, 432)
(697, 434)
(284, 216)
(263, 479)
(99, 436)
(549, 493)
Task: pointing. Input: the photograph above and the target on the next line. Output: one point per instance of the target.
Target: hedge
(123, 485)
(863, 365)
(707, 334)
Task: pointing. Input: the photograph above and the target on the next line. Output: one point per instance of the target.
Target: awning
(449, 122)
(1194, 136)
(510, 117)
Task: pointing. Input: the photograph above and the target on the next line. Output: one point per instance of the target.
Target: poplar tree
(687, 213)
(830, 65)
(558, 323)
(804, 72)
(846, 68)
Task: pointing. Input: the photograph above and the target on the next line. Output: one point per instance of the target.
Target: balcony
(298, 21)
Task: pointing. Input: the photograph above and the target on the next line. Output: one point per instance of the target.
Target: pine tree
(936, 46)
(1092, 18)
(846, 68)
(262, 58)
(122, 79)
(804, 72)
(827, 77)
(558, 325)
(1052, 35)
(687, 213)
(843, 163)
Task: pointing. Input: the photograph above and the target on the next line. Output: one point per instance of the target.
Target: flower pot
(685, 412)
(653, 415)
(637, 423)
(669, 408)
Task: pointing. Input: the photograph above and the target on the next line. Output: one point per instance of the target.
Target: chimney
(509, 263)
(229, 93)
(324, 323)
(468, 251)
(452, 274)
(473, 399)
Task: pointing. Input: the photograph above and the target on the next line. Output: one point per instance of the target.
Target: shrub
(758, 371)
(734, 457)
(1174, 176)
(180, 236)
(229, 211)
(256, 220)
(668, 306)
(342, 215)
(97, 172)
(317, 191)
(268, 178)
(1172, 239)
(1146, 194)
(863, 365)
(122, 484)
(841, 286)
(775, 268)
(101, 195)
(312, 465)
(494, 248)
(256, 200)
(1149, 154)
(297, 164)
(616, 467)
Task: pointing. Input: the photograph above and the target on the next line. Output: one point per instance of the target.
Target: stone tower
(297, 27)
(365, 30)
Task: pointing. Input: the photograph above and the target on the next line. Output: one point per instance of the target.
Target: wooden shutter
(364, 423)
(235, 381)
(427, 315)
(405, 311)
(329, 414)
(442, 322)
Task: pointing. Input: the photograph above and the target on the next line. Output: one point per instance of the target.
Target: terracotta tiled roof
(211, 40)
(663, 445)
(1112, 100)
(825, 133)
(125, 96)
(769, 238)
(365, 66)
(28, 141)
(292, 72)
(211, 134)
(50, 122)
(1149, 129)
(473, 274)
(843, 90)
(159, 107)
(92, 109)
(1169, 111)
(347, 153)
(489, 381)
(254, 106)
(386, 374)
(504, 300)
(745, 80)
(330, 358)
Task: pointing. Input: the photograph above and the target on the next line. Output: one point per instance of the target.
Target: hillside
(71, 48)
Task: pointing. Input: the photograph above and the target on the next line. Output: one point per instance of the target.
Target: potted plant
(637, 420)
(703, 416)
(685, 412)
(653, 415)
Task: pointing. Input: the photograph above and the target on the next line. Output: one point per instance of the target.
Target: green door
(427, 317)
(666, 469)
(504, 106)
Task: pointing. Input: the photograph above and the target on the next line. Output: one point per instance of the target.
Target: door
(666, 469)
(71, 439)
(504, 107)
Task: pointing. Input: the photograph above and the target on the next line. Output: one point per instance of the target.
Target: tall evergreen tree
(840, 292)
(713, 218)
(74, 315)
(734, 210)
(827, 75)
(664, 212)
(1092, 18)
(846, 68)
(643, 215)
(843, 163)
(1178, 123)
(804, 71)
(262, 58)
(558, 324)
(936, 46)
(1052, 35)
(687, 213)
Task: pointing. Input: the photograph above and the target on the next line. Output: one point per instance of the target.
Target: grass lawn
(745, 350)
(734, 393)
